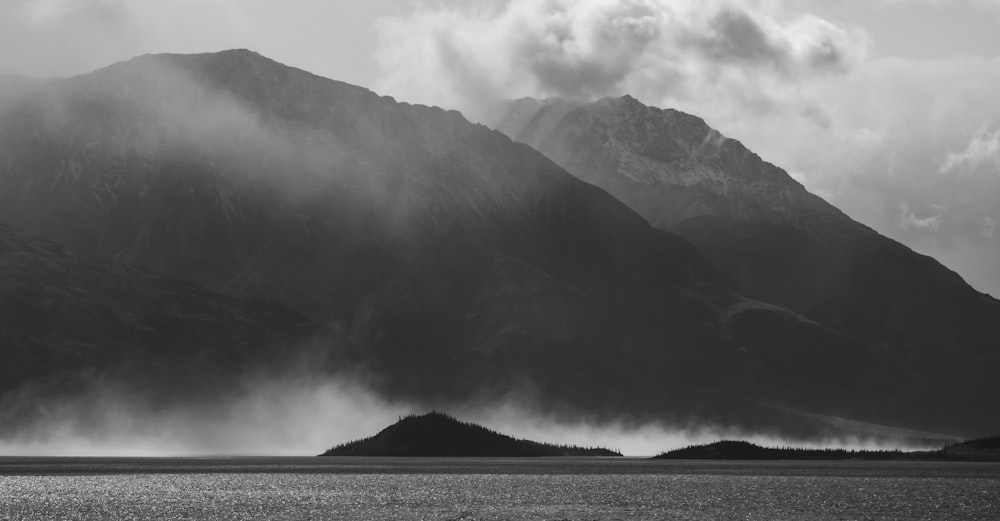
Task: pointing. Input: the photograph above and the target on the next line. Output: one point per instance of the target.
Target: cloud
(909, 219)
(988, 4)
(465, 55)
(806, 93)
(891, 125)
(809, 45)
(982, 152)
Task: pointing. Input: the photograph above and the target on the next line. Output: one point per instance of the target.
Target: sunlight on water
(532, 491)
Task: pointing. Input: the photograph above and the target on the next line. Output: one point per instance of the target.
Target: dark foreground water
(536, 489)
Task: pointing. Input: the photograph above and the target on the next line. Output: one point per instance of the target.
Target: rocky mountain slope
(778, 242)
(449, 262)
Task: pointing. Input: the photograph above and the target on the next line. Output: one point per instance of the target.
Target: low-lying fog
(301, 416)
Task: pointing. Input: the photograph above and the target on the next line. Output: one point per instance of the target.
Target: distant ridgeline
(440, 435)
(984, 449)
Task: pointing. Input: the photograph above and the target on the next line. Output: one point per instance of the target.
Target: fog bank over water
(305, 415)
(280, 417)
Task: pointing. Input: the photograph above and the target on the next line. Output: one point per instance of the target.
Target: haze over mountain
(780, 243)
(72, 326)
(436, 256)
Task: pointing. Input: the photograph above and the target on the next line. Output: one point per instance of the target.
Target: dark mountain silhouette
(445, 260)
(783, 245)
(984, 449)
(439, 435)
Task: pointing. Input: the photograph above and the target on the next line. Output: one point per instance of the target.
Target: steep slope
(439, 435)
(68, 322)
(780, 243)
(453, 263)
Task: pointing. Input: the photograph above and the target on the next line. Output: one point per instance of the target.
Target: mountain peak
(227, 55)
(229, 58)
(242, 52)
(628, 99)
(240, 79)
(633, 150)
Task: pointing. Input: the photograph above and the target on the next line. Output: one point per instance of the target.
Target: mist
(289, 416)
(297, 411)
(301, 412)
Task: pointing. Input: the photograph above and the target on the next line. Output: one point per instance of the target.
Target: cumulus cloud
(465, 55)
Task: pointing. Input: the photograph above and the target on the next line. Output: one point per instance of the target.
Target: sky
(889, 109)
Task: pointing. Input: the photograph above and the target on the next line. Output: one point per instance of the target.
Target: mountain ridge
(434, 249)
(779, 243)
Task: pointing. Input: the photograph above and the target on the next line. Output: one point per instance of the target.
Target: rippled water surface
(549, 489)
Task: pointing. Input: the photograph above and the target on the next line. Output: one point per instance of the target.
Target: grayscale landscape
(490, 258)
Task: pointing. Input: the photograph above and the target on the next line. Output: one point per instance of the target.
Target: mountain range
(775, 240)
(190, 216)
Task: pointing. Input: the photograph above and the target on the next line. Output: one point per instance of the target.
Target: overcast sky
(889, 109)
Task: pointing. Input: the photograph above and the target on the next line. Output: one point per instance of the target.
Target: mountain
(439, 435)
(68, 322)
(447, 262)
(779, 243)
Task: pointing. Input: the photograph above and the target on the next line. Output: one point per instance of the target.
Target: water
(509, 489)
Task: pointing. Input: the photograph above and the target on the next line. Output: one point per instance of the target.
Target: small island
(983, 449)
(439, 435)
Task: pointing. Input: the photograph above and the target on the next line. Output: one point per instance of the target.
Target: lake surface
(508, 489)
